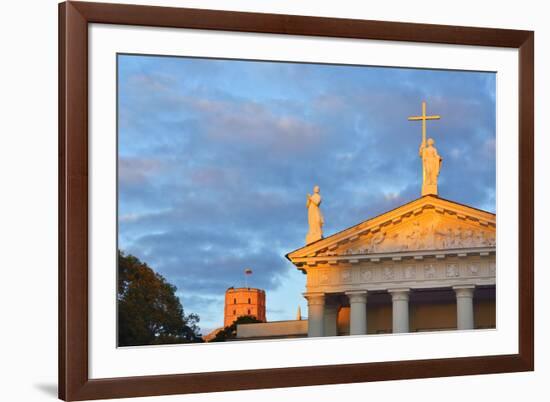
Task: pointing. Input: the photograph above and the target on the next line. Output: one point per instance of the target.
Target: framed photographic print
(259, 200)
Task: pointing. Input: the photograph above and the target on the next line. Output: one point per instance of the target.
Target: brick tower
(243, 301)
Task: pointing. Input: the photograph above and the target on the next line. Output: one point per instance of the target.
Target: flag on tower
(247, 271)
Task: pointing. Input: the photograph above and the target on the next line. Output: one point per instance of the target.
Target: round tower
(243, 301)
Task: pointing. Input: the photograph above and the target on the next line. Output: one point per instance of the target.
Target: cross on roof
(423, 118)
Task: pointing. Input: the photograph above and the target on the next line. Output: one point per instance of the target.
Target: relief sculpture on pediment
(418, 235)
(375, 241)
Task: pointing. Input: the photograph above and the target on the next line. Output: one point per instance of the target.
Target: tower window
(234, 312)
(234, 301)
(248, 311)
(249, 300)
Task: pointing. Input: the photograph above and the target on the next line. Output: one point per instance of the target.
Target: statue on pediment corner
(314, 216)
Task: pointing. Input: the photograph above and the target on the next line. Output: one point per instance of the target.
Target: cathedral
(428, 265)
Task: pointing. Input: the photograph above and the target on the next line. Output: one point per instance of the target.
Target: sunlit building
(243, 301)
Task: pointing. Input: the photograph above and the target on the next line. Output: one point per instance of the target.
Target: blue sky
(216, 157)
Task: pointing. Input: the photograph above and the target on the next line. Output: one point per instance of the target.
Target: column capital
(399, 294)
(314, 298)
(357, 296)
(464, 290)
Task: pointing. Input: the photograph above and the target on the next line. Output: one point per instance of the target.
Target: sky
(215, 158)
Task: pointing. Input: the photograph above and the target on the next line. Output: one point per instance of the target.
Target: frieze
(452, 271)
(473, 269)
(432, 272)
(323, 277)
(346, 275)
(366, 274)
(409, 272)
(389, 273)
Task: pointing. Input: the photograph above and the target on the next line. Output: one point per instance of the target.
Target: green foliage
(230, 332)
(149, 312)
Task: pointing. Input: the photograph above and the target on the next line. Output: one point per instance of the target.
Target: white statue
(431, 163)
(314, 216)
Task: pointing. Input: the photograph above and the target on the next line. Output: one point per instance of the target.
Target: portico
(357, 324)
(426, 259)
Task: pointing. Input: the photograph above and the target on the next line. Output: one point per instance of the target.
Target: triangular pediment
(428, 223)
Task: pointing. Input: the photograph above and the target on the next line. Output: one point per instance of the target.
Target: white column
(400, 310)
(358, 312)
(331, 316)
(464, 306)
(315, 313)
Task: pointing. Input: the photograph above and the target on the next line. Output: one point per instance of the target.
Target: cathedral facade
(428, 265)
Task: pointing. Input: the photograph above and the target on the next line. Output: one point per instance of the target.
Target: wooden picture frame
(74, 381)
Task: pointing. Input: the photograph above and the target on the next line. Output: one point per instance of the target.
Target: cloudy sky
(216, 158)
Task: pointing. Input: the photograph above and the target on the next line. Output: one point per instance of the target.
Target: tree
(149, 312)
(230, 332)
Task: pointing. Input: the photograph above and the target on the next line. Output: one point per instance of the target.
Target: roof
(245, 289)
(388, 216)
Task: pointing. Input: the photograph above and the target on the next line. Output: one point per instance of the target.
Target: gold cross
(424, 118)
